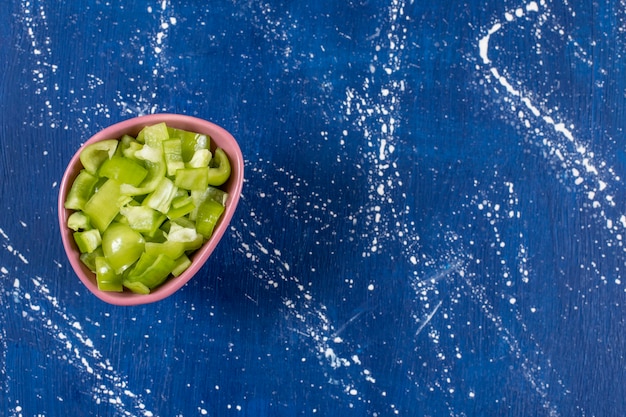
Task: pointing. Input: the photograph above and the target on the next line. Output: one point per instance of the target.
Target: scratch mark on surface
(428, 318)
(343, 327)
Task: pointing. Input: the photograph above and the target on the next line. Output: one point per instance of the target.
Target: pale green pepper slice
(207, 216)
(122, 246)
(105, 204)
(161, 198)
(182, 263)
(190, 142)
(192, 178)
(123, 170)
(173, 156)
(81, 191)
(78, 221)
(219, 168)
(93, 155)
(88, 240)
(150, 270)
(181, 206)
(106, 278)
(143, 219)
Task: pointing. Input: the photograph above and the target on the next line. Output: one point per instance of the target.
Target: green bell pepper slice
(181, 206)
(219, 168)
(161, 198)
(78, 221)
(173, 156)
(136, 287)
(105, 204)
(88, 240)
(171, 249)
(106, 278)
(207, 216)
(143, 219)
(190, 142)
(192, 178)
(125, 142)
(89, 259)
(151, 270)
(183, 233)
(123, 170)
(211, 193)
(81, 190)
(182, 263)
(122, 246)
(93, 155)
(155, 164)
(154, 135)
(201, 158)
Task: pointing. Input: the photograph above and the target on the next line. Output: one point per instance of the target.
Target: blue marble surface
(432, 222)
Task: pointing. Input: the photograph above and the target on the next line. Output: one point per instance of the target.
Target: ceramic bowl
(219, 138)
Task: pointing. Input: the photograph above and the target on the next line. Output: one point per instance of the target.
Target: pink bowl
(219, 138)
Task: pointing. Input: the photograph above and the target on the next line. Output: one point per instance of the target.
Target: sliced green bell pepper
(124, 170)
(105, 204)
(136, 287)
(192, 178)
(207, 216)
(219, 168)
(106, 278)
(144, 204)
(181, 206)
(161, 198)
(88, 240)
(93, 155)
(151, 270)
(155, 164)
(78, 221)
(171, 249)
(211, 193)
(201, 158)
(143, 219)
(81, 190)
(190, 142)
(154, 135)
(173, 156)
(122, 246)
(89, 258)
(182, 263)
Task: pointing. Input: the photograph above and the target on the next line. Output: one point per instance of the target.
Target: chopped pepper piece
(219, 168)
(208, 214)
(161, 198)
(78, 221)
(105, 204)
(106, 278)
(192, 178)
(143, 219)
(157, 270)
(182, 263)
(88, 240)
(81, 190)
(122, 246)
(96, 153)
(123, 170)
(173, 156)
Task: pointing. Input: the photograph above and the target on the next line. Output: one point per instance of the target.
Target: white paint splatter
(593, 178)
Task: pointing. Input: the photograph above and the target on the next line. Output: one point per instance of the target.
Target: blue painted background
(432, 223)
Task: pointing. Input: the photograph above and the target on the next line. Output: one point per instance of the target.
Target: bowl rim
(132, 126)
